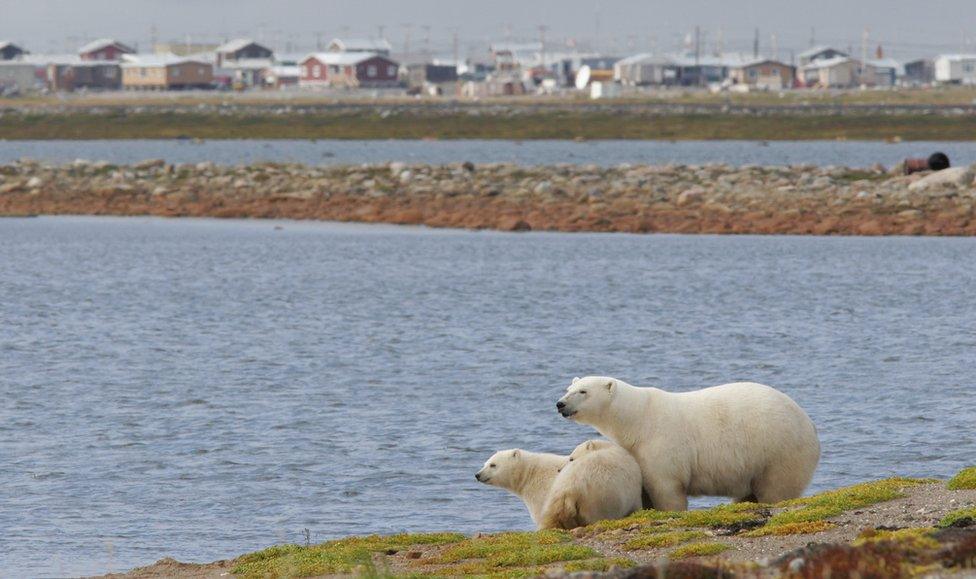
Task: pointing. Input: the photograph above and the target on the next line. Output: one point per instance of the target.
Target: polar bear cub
(529, 475)
(600, 481)
(743, 440)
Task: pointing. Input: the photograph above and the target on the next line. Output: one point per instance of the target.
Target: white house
(379, 46)
(956, 68)
(837, 72)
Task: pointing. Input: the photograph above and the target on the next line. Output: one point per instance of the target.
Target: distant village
(508, 69)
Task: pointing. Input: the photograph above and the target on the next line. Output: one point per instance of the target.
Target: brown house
(348, 69)
(242, 49)
(764, 74)
(104, 49)
(165, 72)
(88, 75)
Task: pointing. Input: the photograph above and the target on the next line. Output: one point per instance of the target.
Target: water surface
(605, 153)
(198, 388)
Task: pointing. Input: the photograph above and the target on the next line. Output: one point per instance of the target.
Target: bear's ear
(516, 453)
(610, 385)
(576, 379)
(590, 444)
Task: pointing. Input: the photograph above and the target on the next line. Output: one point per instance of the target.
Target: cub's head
(588, 447)
(587, 398)
(501, 469)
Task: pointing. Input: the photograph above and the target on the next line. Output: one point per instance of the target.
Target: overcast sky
(906, 28)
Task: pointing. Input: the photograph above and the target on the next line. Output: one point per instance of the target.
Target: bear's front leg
(667, 495)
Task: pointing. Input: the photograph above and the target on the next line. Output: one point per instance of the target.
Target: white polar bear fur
(600, 481)
(742, 440)
(529, 475)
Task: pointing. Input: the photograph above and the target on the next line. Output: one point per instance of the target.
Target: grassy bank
(452, 124)
(898, 527)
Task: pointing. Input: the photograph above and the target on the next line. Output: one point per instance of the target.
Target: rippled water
(197, 389)
(607, 153)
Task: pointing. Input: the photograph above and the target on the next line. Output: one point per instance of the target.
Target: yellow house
(165, 72)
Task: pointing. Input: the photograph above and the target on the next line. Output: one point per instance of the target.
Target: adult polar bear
(743, 440)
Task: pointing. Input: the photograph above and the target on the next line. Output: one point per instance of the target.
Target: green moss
(600, 565)
(966, 479)
(666, 539)
(699, 550)
(510, 554)
(916, 538)
(832, 503)
(341, 556)
(715, 517)
(803, 528)
(957, 516)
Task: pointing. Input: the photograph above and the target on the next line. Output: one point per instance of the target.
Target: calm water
(197, 389)
(849, 153)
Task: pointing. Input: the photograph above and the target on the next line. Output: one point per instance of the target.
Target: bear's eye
(582, 391)
(491, 466)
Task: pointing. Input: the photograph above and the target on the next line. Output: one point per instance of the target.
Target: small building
(246, 72)
(955, 69)
(10, 51)
(766, 74)
(104, 49)
(19, 76)
(643, 70)
(515, 56)
(84, 75)
(166, 72)
(919, 72)
(816, 53)
(427, 73)
(837, 72)
(242, 49)
(348, 70)
(281, 76)
(882, 72)
(379, 46)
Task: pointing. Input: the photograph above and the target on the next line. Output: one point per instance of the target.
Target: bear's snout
(560, 405)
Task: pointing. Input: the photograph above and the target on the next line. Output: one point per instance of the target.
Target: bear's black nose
(477, 476)
(560, 405)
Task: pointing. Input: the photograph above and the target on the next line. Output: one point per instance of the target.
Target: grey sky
(905, 28)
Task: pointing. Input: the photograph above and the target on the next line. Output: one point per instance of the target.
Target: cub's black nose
(560, 405)
(477, 477)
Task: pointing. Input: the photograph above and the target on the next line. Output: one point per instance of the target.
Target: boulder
(952, 177)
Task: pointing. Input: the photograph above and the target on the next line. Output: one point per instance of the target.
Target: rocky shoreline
(719, 199)
(897, 527)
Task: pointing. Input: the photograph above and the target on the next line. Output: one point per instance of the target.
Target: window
(968, 67)
(176, 72)
(317, 71)
(201, 71)
(143, 72)
(110, 72)
(371, 71)
(391, 70)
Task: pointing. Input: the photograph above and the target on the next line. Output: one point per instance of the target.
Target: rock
(468, 166)
(821, 183)
(406, 177)
(542, 188)
(397, 167)
(514, 224)
(149, 164)
(952, 177)
(11, 187)
(34, 182)
(695, 195)
(796, 565)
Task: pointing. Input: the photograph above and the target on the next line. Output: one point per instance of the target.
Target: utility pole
(456, 45)
(408, 28)
(380, 29)
(774, 46)
(542, 43)
(426, 29)
(755, 44)
(864, 55)
(701, 77)
(813, 37)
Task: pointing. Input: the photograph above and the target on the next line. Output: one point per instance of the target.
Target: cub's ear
(590, 444)
(576, 379)
(516, 453)
(610, 385)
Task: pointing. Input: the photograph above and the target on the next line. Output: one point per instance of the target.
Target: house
(104, 49)
(816, 53)
(837, 72)
(246, 72)
(10, 51)
(165, 72)
(918, 72)
(348, 69)
(372, 45)
(241, 49)
(766, 74)
(955, 69)
(428, 73)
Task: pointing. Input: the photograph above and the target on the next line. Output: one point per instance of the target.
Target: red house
(348, 69)
(104, 49)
